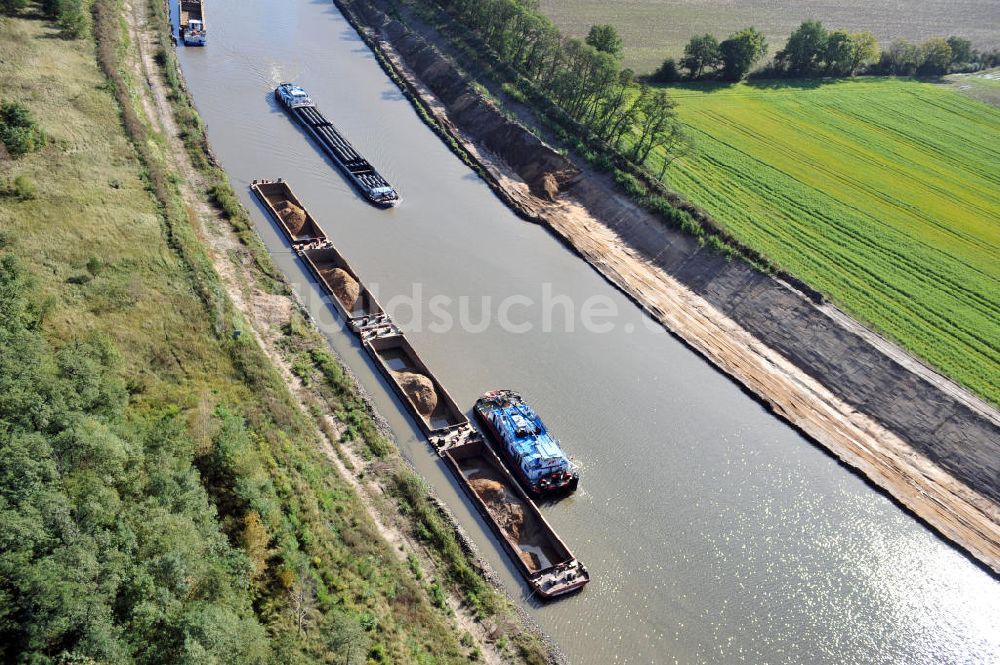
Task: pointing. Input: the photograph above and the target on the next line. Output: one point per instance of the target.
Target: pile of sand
(530, 559)
(293, 216)
(549, 186)
(507, 510)
(420, 390)
(345, 287)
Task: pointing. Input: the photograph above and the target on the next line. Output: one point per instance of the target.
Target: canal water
(713, 531)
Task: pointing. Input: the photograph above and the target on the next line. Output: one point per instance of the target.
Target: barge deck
(540, 556)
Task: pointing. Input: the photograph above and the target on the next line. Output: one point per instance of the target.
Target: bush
(630, 183)
(224, 198)
(667, 73)
(11, 7)
(25, 188)
(72, 19)
(18, 130)
(69, 15)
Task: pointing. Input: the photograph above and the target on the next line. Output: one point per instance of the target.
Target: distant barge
(531, 452)
(192, 23)
(541, 557)
(368, 181)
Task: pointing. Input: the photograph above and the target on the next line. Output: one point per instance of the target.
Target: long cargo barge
(192, 23)
(539, 555)
(358, 170)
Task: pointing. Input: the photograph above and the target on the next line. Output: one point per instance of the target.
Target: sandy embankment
(927, 442)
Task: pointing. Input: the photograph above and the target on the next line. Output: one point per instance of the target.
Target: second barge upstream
(541, 557)
(358, 170)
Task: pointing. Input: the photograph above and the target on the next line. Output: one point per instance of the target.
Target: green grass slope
(162, 499)
(884, 194)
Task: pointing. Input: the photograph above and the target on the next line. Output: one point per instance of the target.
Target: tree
(961, 50)
(613, 116)
(837, 54)
(804, 50)
(605, 38)
(935, 56)
(254, 540)
(620, 124)
(740, 52)
(902, 58)
(700, 53)
(864, 51)
(667, 73)
(72, 19)
(346, 639)
(658, 125)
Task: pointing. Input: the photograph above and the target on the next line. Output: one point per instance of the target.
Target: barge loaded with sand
(542, 558)
(358, 170)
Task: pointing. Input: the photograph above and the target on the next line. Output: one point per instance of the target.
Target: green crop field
(656, 29)
(884, 194)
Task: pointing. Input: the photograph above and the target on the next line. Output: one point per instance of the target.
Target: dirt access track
(926, 441)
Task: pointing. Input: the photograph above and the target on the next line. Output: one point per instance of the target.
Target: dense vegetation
(162, 498)
(812, 51)
(583, 78)
(109, 546)
(882, 193)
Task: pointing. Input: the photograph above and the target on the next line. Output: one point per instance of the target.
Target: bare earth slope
(930, 444)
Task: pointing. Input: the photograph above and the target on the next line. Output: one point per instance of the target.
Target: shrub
(223, 197)
(667, 73)
(630, 183)
(69, 15)
(514, 93)
(25, 188)
(72, 19)
(11, 7)
(18, 130)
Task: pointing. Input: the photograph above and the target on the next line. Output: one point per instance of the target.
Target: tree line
(813, 51)
(583, 77)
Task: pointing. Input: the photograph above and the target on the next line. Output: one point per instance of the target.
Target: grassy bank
(336, 392)
(172, 501)
(881, 193)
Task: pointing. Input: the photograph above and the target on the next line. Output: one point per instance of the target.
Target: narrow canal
(713, 531)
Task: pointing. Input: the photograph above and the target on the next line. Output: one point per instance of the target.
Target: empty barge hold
(369, 182)
(541, 556)
(299, 226)
(531, 452)
(192, 23)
